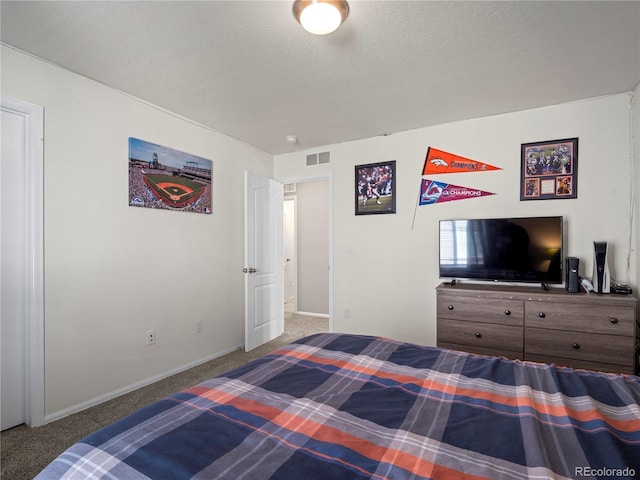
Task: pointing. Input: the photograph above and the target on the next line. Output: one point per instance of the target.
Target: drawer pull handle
(614, 320)
(450, 307)
(576, 346)
(478, 335)
(542, 315)
(507, 312)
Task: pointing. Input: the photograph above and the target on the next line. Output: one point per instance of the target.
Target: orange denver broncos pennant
(438, 161)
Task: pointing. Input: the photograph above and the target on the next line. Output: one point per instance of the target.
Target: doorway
(21, 264)
(307, 260)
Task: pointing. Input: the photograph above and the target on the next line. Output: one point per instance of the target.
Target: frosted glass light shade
(320, 17)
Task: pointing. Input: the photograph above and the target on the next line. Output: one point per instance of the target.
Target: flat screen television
(525, 250)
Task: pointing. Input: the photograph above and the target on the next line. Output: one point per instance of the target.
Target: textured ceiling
(248, 70)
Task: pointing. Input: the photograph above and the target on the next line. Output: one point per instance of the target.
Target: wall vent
(318, 158)
(324, 157)
(289, 188)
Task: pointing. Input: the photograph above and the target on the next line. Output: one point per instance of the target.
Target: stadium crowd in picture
(178, 182)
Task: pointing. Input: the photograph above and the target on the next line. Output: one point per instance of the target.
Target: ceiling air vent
(289, 188)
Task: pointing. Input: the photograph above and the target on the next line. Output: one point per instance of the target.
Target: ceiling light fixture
(320, 16)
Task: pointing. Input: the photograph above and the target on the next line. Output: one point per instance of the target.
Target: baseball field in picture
(161, 177)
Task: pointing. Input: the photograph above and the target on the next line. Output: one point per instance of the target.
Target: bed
(335, 406)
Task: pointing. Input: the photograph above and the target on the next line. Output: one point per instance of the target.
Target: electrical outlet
(347, 313)
(151, 337)
(199, 326)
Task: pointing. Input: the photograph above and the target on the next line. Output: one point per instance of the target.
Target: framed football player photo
(549, 170)
(375, 188)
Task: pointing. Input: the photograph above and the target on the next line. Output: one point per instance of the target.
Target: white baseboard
(130, 388)
(311, 314)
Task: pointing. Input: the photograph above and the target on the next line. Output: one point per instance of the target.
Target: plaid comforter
(343, 407)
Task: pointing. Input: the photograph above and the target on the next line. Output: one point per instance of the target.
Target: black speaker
(572, 282)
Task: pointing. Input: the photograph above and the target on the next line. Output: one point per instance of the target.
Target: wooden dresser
(596, 332)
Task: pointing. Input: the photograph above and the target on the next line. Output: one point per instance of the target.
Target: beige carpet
(25, 451)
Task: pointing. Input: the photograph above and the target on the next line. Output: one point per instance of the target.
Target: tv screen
(502, 249)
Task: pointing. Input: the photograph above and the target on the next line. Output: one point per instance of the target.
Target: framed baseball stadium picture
(163, 178)
(549, 170)
(375, 188)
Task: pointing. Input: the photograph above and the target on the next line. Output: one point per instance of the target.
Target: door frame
(34, 265)
(313, 178)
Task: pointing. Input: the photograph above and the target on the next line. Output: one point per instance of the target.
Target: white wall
(113, 272)
(385, 271)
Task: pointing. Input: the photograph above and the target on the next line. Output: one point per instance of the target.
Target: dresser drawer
(606, 319)
(590, 347)
(582, 364)
(490, 352)
(488, 310)
(482, 335)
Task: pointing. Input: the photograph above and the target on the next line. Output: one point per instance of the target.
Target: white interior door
(21, 265)
(290, 260)
(264, 246)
